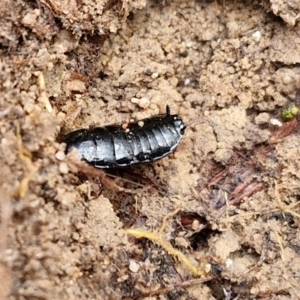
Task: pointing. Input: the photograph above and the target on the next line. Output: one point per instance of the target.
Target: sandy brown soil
(228, 69)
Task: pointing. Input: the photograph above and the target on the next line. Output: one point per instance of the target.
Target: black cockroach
(141, 142)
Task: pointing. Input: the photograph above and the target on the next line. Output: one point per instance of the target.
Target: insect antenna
(168, 111)
(140, 181)
(115, 182)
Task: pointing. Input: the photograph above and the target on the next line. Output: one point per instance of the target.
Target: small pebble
(29, 107)
(133, 266)
(134, 100)
(125, 126)
(228, 262)
(189, 44)
(76, 85)
(195, 225)
(257, 36)
(63, 168)
(142, 103)
(60, 155)
(275, 122)
(286, 79)
(61, 116)
(262, 118)
(207, 268)
(75, 236)
(187, 81)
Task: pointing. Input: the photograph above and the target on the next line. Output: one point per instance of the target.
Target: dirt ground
(222, 220)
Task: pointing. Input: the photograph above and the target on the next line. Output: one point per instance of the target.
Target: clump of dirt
(230, 191)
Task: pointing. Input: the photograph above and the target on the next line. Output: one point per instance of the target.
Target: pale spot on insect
(141, 123)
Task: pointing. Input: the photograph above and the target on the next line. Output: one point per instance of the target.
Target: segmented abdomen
(142, 142)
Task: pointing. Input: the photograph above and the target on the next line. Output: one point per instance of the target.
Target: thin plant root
(106, 180)
(285, 208)
(169, 289)
(281, 207)
(159, 239)
(284, 131)
(25, 156)
(43, 94)
(244, 191)
(280, 243)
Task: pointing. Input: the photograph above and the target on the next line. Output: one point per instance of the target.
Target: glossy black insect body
(141, 142)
